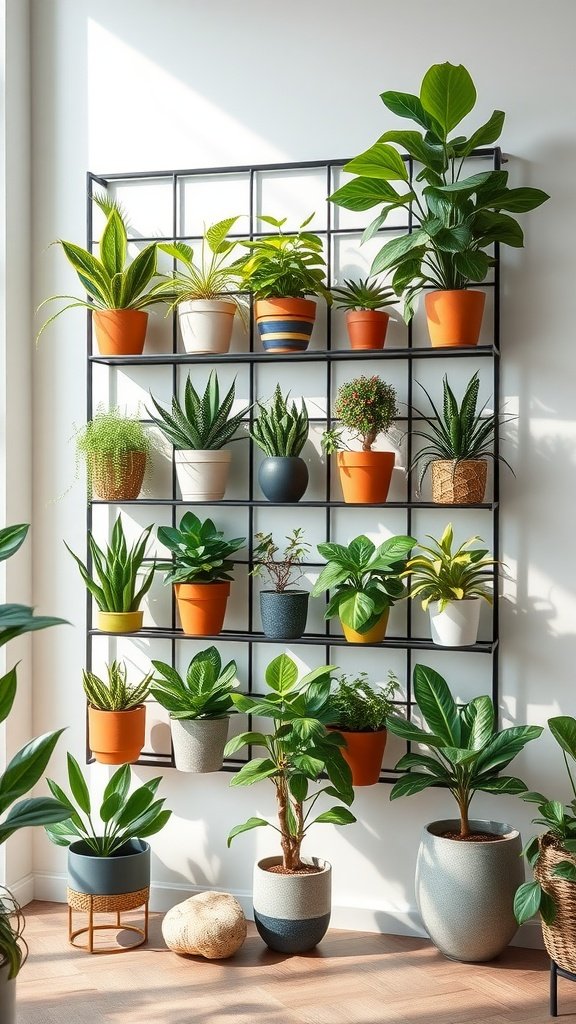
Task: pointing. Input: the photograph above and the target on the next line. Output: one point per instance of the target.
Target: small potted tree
(359, 712)
(199, 708)
(292, 893)
(283, 610)
(200, 571)
(367, 581)
(366, 317)
(281, 431)
(366, 406)
(199, 429)
(116, 448)
(116, 714)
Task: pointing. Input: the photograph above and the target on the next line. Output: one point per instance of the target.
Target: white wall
(140, 85)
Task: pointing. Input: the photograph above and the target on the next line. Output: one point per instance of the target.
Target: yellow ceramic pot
(371, 636)
(120, 622)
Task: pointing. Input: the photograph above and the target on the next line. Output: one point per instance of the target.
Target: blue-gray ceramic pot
(283, 478)
(127, 870)
(292, 912)
(284, 614)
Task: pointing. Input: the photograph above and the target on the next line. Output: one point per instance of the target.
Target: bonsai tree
(117, 567)
(206, 692)
(443, 575)
(367, 407)
(284, 571)
(204, 422)
(363, 294)
(201, 553)
(356, 706)
(115, 693)
(281, 429)
(466, 752)
(297, 752)
(109, 442)
(284, 265)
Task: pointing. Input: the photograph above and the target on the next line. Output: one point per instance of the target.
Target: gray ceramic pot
(7, 997)
(284, 614)
(128, 870)
(283, 478)
(199, 743)
(292, 912)
(465, 891)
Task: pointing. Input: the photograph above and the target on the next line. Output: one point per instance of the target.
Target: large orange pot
(365, 476)
(202, 607)
(120, 332)
(371, 636)
(454, 317)
(367, 328)
(116, 737)
(363, 753)
(285, 325)
(120, 479)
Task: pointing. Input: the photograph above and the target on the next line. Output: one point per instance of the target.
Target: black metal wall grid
(328, 357)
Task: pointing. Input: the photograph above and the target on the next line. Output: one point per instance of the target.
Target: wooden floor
(352, 978)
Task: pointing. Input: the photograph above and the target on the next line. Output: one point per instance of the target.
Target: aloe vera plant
(115, 694)
(362, 294)
(117, 569)
(280, 429)
(203, 423)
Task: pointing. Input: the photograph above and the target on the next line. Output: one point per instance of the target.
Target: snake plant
(117, 694)
(117, 569)
(280, 430)
(203, 423)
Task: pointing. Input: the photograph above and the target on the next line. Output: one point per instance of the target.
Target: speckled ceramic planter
(127, 870)
(7, 997)
(199, 743)
(465, 891)
(284, 614)
(292, 912)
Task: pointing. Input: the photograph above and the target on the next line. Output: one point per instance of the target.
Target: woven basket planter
(559, 937)
(119, 480)
(459, 483)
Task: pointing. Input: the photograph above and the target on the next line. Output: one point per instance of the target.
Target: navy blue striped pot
(285, 325)
(292, 912)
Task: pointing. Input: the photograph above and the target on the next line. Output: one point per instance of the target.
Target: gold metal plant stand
(107, 905)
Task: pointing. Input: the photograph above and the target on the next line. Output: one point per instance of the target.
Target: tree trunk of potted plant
(459, 483)
(284, 324)
(365, 476)
(283, 477)
(457, 625)
(454, 317)
(199, 743)
(292, 911)
(206, 325)
(202, 475)
(116, 737)
(118, 479)
(202, 607)
(120, 332)
(284, 613)
(367, 328)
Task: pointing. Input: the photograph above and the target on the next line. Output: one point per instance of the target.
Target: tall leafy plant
(117, 566)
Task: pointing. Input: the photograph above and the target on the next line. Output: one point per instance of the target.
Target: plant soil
(306, 869)
(473, 837)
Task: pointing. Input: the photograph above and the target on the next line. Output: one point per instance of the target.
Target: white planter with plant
(116, 448)
(283, 610)
(281, 431)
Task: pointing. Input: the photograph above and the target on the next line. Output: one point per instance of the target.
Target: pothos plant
(366, 406)
(298, 751)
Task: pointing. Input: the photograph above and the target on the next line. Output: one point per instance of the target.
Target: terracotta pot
(202, 607)
(285, 325)
(206, 325)
(371, 636)
(365, 476)
(459, 483)
(120, 622)
(454, 317)
(116, 737)
(120, 332)
(367, 328)
(120, 479)
(363, 753)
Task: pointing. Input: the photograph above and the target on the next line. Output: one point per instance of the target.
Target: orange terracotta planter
(371, 636)
(120, 481)
(120, 332)
(116, 737)
(285, 325)
(202, 607)
(365, 476)
(367, 328)
(454, 317)
(363, 752)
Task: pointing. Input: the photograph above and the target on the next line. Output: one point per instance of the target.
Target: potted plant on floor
(366, 317)
(116, 448)
(451, 585)
(200, 571)
(117, 567)
(199, 708)
(116, 714)
(459, 443)
(467, 871)
(118, 291)
(455, 219)
(367, 581)
(199, 429)
(281, 270)
(366, 406)
(292, 893)
(359, 712)
(22, 773)
(283, 610)
(281, 431)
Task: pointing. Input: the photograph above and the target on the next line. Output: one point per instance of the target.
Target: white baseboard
(23, 889)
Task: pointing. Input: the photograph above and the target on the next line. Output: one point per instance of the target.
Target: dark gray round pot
(284, 614)
(283, 478)
(292, 912)
(127, 870)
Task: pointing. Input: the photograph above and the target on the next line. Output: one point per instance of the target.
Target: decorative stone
(209, 924)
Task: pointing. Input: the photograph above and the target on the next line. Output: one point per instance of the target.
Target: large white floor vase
(202, 475)
(199, 743)
(7, 997)
(206, 325)
(457, 625)
(465, 890)
(292, 912)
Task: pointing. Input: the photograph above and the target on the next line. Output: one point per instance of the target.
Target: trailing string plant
(285, 571)
(201, 553)
(357, 706)
(440, 574)
(115, 693)
(203, 422)
(363, 294)
(366, 406)
(280, 429)
(117, 567)
(108, 440)
(205, 692)
(284, 265)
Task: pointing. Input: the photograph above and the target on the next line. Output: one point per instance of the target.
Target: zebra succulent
(117, 694)
(203, 423)
(281, 429)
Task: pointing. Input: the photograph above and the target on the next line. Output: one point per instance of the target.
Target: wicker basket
(559, 937)
(118, 481)
(459, 483)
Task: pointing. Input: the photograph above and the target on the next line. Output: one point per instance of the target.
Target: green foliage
(363, 295)
(204, 422)
(117, 569)
(201, 554)
(439, 574)
(284, 265)
(367, 407)
(212, 276)
(356, 706)
(281, 429)
(466, 751)
(455, 219)
(297, 752)
(115, 694)
(284, 571)
(108, 438)
(123, 816)
(366, 579)
(206, 692)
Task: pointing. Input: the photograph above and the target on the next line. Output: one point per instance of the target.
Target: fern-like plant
(108, 439)
(117, 569)
(362, 294)
(356, 706)
(203, 423)
(117, 694)
(206, 692)
(281, 429)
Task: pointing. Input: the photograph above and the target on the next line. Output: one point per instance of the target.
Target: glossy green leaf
(8, 685)
(563, 729)
(527, 901)
(566, 869)
(364, 193)
(447, 93)
(78, 785)
(256, 770)
(412, 783)
(380, 161)
(335, 816)
(436, 704)
(246, 827)
(281, 673)
(26, 767)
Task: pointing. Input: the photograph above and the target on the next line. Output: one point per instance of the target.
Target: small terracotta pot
(120, 622)
(365, 476)
(454, 317)
(119, 480)
(367, 328)
(371, 636)
(116, 737)
(363, 753)
(120, 332)
(285, 325)
(202, 607)
(459, 483)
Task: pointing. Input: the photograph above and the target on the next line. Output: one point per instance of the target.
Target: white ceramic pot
(199, 743)
(7, 997)
(202, 475)
(206, 325)
(457, 625)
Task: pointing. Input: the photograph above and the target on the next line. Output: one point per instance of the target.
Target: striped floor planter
(285, 325)
(292, 912)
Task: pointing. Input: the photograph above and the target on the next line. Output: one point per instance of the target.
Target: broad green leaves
(447, 94)
(205, 692)
(380, 161)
